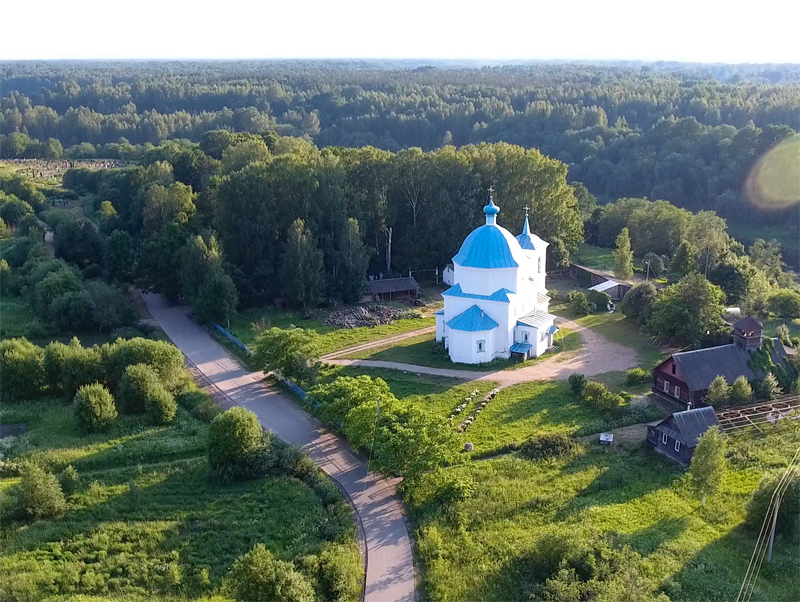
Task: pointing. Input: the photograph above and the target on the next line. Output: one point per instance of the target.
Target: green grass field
(422, 351)
(402, 384)
(481, 548)
(15, 316)
(173, 536)
(333, 338)
(591, 256)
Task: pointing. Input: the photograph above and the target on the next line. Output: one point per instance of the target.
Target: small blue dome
(489, 246)
(491, 208)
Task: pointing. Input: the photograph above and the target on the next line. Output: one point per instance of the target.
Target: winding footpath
(390, 568)
(596, 356)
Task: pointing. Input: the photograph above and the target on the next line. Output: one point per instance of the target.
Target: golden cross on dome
(491, 190)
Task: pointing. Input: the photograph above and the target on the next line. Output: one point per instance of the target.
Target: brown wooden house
(684, 377)
(676, 436)
(391, 289)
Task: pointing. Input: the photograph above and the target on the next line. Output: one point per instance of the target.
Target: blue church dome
(489, 246)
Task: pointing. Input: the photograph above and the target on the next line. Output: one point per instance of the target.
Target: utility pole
(772, 532)
(647, 278)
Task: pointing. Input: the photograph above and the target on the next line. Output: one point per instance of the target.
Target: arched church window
(540, 265)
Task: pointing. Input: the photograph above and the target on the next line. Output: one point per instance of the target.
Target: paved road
(379, 343)
(597, 356)
(390, 569)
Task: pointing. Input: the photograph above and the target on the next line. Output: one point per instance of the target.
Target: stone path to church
(596, 356)
(390, 565)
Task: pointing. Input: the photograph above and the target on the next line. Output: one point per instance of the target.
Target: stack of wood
(367, 315)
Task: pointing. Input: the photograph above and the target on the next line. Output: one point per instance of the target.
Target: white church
(497, 305)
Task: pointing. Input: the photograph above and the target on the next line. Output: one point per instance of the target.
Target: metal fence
(295, 388)
(233, 339)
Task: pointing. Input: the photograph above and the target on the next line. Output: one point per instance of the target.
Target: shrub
(597, 395)
(718, 392)
(769, 388)
(54, 355)
(576, 383)
(141, 391)
(200, 404)
(40, 495)
(80, 367)
(741, 391)
(784, 336)
(553, 293)
(638, 301)
(163, 357)
(599, 299)
(340, 574)
(655, 262)
(636, 376)
(552, 445)
(69, 480)
(94, 408)
(21, 369)
(232, 435)
(788, 522)
(578, 303)
(258, 575)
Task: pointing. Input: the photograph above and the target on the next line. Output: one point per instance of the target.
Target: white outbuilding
(497, 305)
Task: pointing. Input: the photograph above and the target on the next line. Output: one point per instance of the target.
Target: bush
(548, 446)
(785, 304)
(656, 264)
(599, 299)
(718, 392)
(200, 404)
(69, 480)
(94, 408)
(40, 495)
(80, 367)
(578, 303)
(788, 523)
(232, 435)
(163, 357)
(769, 388)
(741, 391)
(576, 383)
(21, 369)
(54, 355)
(258, 575)
(340, 573)
(141, 391)
(597, 395)
(636, 376)
(638, 301)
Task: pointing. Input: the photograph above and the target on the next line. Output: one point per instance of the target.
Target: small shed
(391, 289)
(449, 275)
(676, 436)
(613, 288)
(592, 278)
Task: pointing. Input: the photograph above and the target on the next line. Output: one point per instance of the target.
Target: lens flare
(774, 181)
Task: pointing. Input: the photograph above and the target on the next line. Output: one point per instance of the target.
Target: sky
(729, 31)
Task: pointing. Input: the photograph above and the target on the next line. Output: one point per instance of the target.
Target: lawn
(333, 338)
(15, 316)
(422, 351)
(771, 326)
(146, 521)
(591, 256)
(484, 547)
(402, 384)
(535, 408)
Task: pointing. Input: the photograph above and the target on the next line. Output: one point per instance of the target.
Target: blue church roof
(528, 240)
(473, 319)
(489, 246)
(499, 295)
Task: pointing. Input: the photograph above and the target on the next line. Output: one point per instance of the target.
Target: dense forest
(688, 134)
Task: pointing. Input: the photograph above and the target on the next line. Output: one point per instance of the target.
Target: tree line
(246, 217)
(686, 134)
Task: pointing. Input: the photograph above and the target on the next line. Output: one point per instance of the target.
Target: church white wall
(480, 281)
(463, 346)
(440, 326)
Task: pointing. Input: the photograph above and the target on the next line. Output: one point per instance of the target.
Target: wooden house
(391, 289)
(676, 436)
(684, 378)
